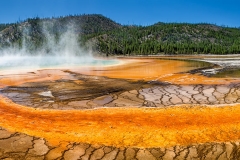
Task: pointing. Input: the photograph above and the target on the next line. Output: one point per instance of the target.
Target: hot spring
(43, 62)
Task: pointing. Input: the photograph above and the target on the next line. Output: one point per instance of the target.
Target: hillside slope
(171, 38)
(109, 37)
(35, 32)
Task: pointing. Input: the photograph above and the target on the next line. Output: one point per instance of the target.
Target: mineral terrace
(165, 113)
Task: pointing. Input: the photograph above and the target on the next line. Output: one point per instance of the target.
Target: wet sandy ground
(67, 129)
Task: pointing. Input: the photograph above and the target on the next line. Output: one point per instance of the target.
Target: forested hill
(109, 37)
(33, 33)
(171, 38)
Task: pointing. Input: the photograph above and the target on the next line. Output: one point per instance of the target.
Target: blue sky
(139, 12)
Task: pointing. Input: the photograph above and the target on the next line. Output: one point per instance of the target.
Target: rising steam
(60, 50)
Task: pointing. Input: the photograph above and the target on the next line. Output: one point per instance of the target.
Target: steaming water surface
(40, 62)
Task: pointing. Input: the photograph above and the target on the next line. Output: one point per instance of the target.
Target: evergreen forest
(102, 35)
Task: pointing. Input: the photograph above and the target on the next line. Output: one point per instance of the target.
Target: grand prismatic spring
(123, 108)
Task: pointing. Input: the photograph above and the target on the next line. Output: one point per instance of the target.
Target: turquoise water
(19, 62)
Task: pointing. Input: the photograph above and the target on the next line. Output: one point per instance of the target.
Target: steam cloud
(63, 51)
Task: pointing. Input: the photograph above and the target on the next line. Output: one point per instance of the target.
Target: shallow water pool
(35, 62)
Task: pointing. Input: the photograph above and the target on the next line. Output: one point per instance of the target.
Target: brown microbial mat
(144, 108)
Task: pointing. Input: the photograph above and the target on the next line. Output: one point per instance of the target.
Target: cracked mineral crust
(63, 114)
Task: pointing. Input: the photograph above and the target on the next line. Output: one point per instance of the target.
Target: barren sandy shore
(147, 109)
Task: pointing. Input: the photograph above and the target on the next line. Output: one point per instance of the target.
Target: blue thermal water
(31, 62)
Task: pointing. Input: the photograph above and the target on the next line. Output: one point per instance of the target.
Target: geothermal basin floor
(62, 114)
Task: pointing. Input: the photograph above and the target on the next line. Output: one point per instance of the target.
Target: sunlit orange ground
(127, 126)
(38, 76)
(155, 69)
(188, 79)
(147, 69)
(132, 69)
